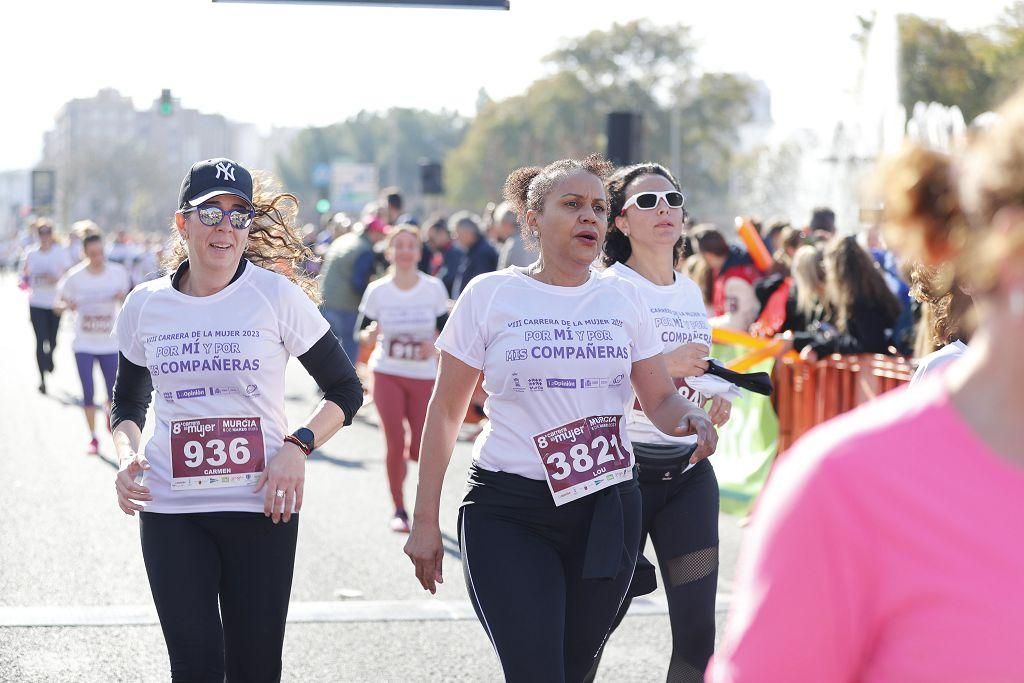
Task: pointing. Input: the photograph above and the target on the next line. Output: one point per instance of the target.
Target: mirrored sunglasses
(211, 216)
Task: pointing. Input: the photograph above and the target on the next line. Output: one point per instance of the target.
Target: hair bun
(922, 207)
(517, 187)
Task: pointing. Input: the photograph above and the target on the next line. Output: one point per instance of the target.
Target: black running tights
(241, 560)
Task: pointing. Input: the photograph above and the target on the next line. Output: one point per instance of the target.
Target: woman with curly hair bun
(222, 469)
(887, 545)
(550, 528)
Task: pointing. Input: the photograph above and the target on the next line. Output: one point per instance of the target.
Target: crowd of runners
(576, 316)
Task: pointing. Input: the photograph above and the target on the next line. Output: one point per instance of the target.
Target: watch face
(305, 436)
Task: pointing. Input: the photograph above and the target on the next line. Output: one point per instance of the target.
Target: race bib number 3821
(213, 452)
(584, 456)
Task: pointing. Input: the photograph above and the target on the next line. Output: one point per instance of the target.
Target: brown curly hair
(527, 188)
(948, 308)
(274, 238)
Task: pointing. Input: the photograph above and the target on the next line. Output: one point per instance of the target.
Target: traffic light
(166, 103)
(323, 204)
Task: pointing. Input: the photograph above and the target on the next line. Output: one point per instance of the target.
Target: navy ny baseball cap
(212, 177)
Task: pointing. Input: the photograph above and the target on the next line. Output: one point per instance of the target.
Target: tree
(712, 109)
(635, 66)
(395, 141)
(1003, 53)
(554, 119)
(937, 64)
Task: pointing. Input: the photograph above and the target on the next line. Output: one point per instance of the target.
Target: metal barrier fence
(807, 394)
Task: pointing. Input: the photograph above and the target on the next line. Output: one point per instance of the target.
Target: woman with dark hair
(94, 290)
(680, 499)
(733, 297)
(861, 309)
(550, 528)
(886, 546)
(221, 470)
(43, 267)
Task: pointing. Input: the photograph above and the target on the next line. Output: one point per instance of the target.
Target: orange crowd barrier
(809, 393)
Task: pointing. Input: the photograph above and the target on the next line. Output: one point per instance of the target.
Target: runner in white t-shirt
(42, 268)
(680, 499)
(401, 314)
(94, 290)
(550, 527)
(221, 469)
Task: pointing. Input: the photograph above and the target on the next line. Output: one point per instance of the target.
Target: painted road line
(354, 611)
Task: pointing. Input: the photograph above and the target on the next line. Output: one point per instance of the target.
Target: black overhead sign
(437, 4)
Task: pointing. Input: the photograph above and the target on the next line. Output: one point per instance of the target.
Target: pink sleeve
(800, 611)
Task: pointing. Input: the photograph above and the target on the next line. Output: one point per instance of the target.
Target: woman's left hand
(719, 411)
(697, 422)
(283, 477)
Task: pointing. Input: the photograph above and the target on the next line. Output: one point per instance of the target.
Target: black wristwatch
(304, 438)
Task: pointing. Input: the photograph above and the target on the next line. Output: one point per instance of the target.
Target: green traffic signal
(166, 109)
(323, 205)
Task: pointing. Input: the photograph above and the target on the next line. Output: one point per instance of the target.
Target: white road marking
(352, 611)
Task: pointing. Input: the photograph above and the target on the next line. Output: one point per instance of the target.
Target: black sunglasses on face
(211, 216)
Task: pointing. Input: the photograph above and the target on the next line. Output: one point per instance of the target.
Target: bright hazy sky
(310, 64)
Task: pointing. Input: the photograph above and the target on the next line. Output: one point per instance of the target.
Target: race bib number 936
(584, 456)
(215, 452)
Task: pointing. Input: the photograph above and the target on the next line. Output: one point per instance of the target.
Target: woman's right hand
(426, 551)
(128, 490)
(688, 360)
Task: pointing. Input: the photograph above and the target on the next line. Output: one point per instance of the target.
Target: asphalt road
(74, 600)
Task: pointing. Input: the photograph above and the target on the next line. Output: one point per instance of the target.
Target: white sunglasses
(649, 200)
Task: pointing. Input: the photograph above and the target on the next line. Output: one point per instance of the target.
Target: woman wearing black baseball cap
(222, 468)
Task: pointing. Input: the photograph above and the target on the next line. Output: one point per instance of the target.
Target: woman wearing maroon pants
(401, 315)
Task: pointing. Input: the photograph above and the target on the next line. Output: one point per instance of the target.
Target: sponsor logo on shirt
(222, 391)
(169, 396)
(561, 383)
(535, 384)
(191, 393)
(617, 380)
(517, 386)
(593, 382)
(252, 390)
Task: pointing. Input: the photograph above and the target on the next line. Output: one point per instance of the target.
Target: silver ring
(280, 493)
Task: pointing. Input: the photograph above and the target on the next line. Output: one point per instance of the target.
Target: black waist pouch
(661, 462)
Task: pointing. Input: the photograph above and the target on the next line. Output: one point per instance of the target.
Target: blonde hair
(275, 241)
(808, 273)
(85, 228)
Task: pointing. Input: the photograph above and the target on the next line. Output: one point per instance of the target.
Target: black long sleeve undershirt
(325, 362)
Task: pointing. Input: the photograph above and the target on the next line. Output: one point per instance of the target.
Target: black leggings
(45, 322)
(681, 516)
(241, 559)
(524, 571)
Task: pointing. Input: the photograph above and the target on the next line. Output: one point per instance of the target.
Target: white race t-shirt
(938, 359)
(45, 269)
(550, 356)
(218, 366)
(680, 317)
(406, 318)
(97, 299)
